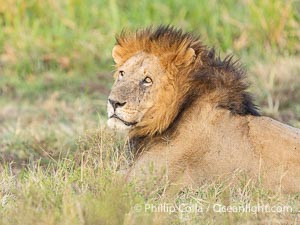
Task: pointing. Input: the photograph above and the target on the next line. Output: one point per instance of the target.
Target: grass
(58, 161)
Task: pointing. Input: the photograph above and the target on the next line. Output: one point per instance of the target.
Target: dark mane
(175, 37)
(229, 77)
(214, 73)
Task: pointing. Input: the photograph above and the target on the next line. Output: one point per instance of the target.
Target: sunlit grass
(86, 188)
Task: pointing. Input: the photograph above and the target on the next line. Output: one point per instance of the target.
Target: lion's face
(152, 82)
(134, 92)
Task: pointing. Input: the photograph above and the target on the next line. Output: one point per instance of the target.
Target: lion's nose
(116, 104)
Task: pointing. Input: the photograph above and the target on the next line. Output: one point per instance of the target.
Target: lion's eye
(147, 81)
(121, 74)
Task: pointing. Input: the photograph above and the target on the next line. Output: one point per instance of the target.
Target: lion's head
(147, 94)
(157, 73)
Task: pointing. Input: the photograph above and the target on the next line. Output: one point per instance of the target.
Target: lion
(187, 113)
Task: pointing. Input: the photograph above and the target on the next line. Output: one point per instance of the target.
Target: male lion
(188, 114)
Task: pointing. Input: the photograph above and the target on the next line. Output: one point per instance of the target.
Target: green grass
(58, 161)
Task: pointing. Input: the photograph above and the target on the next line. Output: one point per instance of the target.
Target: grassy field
(59, 162)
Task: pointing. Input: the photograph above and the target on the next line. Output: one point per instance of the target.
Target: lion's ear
(116, 54)
(185, 58)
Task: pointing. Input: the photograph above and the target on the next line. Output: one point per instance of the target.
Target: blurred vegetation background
(55, 74)
(58, 40)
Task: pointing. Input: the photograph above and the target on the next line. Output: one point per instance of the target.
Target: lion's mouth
(123, 121)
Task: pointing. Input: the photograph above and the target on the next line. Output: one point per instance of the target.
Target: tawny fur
(197, 122)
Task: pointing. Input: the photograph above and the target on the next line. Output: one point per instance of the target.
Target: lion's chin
(118, 125)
